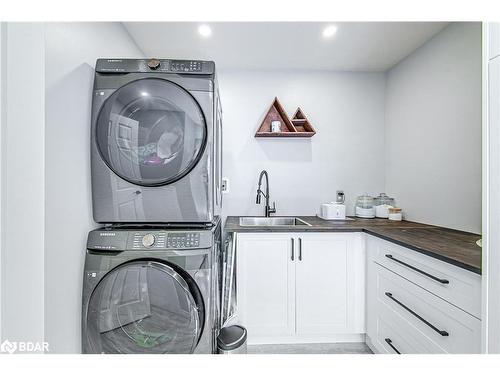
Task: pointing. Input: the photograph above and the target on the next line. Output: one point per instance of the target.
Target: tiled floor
(340, 348)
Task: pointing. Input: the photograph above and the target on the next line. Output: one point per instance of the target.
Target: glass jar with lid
(365, 206)
(382, 204)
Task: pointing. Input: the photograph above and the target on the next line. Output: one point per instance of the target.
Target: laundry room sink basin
(272, 222)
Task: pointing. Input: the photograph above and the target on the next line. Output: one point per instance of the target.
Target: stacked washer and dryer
(151, 278)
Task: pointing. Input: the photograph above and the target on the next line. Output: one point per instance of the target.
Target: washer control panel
(166, 240)
(148, 239)
(182, 240)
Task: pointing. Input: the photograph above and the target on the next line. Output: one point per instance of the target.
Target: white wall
(22, 176)
(433, 130)
(347, 110)
(71, 52)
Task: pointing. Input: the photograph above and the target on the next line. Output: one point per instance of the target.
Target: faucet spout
(268, 210)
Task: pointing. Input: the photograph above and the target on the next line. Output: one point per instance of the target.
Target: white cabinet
(301, 287)
(311, 287)
(417, 304)
(265, 278)
(329, 287)
(456, 285)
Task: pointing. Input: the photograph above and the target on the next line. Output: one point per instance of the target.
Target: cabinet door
(265, 285)
(329, 284)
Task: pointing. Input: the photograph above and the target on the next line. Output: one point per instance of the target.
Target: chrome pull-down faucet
(268, 210)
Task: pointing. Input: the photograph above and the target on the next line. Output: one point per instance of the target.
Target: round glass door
(145, 307)
(151, 132)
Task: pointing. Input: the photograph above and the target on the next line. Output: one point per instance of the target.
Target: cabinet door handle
(293, 250)
(442, 281)
(389, 342)
(300, 249)
(442, 333)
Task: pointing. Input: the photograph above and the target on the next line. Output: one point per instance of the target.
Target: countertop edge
(429, 253)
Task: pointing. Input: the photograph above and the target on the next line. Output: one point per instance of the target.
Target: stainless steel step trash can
(232, 340)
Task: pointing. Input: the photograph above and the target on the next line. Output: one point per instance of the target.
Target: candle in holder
(276, 126)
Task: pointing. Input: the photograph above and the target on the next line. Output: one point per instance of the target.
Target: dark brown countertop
(451, 246)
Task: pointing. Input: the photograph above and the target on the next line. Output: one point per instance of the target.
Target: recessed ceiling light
(144, 93)
(329, 31)
(205, 31)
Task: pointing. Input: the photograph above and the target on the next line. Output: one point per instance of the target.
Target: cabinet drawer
(448, 327)
(396, 336)
(460, 287)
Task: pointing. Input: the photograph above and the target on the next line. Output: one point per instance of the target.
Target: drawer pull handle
(442, 281)
(300, 249)
(293, 250)
(442, 333)
(389, 342)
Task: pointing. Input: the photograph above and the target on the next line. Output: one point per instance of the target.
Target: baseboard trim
(331, 339)
(368, 342)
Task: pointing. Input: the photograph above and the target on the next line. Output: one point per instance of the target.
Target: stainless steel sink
(272, 222)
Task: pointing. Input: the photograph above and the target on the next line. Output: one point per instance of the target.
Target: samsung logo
(107, 234)
(114, 60)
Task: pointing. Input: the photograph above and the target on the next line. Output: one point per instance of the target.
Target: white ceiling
(357, 46)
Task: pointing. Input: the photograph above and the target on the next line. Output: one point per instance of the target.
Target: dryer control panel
(155, 65)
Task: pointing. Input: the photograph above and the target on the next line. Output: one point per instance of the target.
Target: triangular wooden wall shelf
(299, 126)
(302, 124)
(275, 113)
